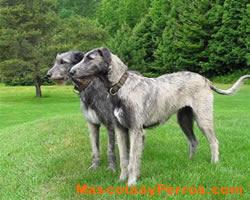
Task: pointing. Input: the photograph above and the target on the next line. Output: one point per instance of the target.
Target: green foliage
(26, 29)
(68, 8)
(121, 43)
(245, 25)
(208, 37)
(166, 53)
(141, 39)
(113, 14)
(227, 48)
(32, 33)
(232, 77)
(16, 71)
(185, 37)
(147, 33)
(211, 37)
(78, 33)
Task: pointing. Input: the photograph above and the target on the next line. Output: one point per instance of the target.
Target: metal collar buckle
(112, 91)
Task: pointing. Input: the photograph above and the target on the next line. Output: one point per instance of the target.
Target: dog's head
(94, 62)
(63, 63)
(99, 61)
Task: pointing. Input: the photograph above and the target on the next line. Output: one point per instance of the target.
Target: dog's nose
(49, 75)
(72, 72)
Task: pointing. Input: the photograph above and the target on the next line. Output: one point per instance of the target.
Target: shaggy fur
(144, 102)
(95, 105)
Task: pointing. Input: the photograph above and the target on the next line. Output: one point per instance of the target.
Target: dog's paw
(192, 149)
(94, 166)
(123, 177)
(215, 158)
(215, 161)
(131, 181)
(111, 168)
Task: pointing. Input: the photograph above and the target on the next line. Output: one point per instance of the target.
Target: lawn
(45, 150)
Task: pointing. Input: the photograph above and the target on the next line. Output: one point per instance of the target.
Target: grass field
(45, 150)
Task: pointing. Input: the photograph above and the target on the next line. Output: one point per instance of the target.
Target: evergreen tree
(86, 8)
(32, 33)
(26, 29)
(154, 37)
(113, 14)
(121, 44)
(185, 37)
(142, 43)
(108, 15)
(166, 53)
(245, 29)
(173, 35)
(78, 33)
(146, 34)
(131, 11)
(227, 49)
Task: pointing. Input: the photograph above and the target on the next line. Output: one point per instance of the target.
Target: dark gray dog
(95, 104)
(140, 102)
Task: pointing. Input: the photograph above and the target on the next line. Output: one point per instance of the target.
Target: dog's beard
(60, 81)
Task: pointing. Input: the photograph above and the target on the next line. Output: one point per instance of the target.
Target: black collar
(115, 88)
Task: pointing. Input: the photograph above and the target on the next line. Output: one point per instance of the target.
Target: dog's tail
(231, 90)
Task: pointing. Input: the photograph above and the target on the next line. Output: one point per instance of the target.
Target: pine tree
(146, 34)
(166, 53)
(141, 42)
(26, 29)
(113, 14)
(227, 50)
(245, 37)
(185, 37)
(77, 33)
(120, 44)
(131, 11)
(68, 8)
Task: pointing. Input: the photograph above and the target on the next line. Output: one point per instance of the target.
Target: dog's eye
(91, 56)
(62, 62)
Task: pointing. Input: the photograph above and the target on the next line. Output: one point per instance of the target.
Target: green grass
(45, 150)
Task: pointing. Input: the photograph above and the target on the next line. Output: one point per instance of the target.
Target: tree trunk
(38, 86)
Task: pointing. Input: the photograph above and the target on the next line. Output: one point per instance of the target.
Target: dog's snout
(48, 75)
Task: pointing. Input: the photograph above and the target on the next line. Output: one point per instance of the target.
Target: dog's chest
(118, 112)
(122, 117)
(91, 116)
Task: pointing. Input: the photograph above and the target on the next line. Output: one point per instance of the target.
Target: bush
(231, 78)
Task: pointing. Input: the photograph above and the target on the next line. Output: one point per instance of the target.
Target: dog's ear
(78, 56)
(105, 53)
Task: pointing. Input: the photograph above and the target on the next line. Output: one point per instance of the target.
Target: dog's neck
(116, 70)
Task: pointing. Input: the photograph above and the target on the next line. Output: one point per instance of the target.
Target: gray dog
(95, 105)
(141, 102)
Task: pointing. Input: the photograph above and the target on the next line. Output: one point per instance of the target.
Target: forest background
(210, 37)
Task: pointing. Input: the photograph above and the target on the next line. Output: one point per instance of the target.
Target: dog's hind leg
(111, 149)
(94, 139)
(186, 119)
(204, 119)
(136, 147)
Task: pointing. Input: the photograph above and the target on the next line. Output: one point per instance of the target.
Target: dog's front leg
(136, 147)
(94, 139)
(122, 139)
(111, 149)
